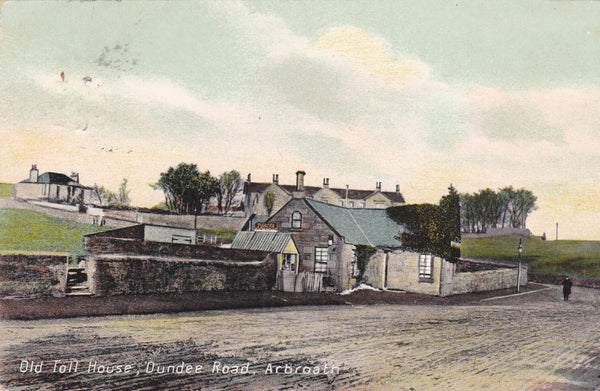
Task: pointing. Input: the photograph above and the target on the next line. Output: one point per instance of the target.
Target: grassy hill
(6, 190)
(29, 231)
(579, 257)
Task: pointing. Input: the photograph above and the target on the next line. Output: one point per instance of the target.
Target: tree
(269, 201)
(122, 197)
(431, 228)
(186, 189)
(488, 208)
(450, 214)
(105, 196)
(230, 184)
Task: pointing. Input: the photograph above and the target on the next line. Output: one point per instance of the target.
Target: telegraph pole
(520, 262)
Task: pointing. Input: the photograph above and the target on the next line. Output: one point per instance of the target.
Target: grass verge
(579, 257)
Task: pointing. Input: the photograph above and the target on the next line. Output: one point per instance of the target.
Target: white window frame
(321, 259)
(296, 222)
(425, 267)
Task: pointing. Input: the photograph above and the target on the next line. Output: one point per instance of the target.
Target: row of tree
(487, 208)
(187, 190)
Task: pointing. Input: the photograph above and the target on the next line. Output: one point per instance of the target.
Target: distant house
(254, 195)
(53, 187)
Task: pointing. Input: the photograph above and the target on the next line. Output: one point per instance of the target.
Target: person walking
(567, 284)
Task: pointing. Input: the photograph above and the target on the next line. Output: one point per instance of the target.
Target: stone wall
(399, 269)
(122, 274)
(98, 244)
(180, 221)
(63, 214)
(487, 280)
(33, 275)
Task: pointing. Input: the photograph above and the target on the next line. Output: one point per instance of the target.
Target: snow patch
(360, 288)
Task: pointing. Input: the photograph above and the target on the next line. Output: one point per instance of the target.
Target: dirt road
(534, 341)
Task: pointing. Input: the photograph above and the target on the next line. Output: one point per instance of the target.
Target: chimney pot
(33, 173)
(276, 179)
(325, 182)
(378, 186)
(249, 178)
(300, 180)
(75, 176)
(397, 188)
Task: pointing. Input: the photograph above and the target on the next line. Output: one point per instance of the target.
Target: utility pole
(557, 230)
(520, 262)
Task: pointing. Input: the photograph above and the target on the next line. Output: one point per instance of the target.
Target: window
(340, 203)
(425, 267)
(380, 205)
(44, 189)
(351, 204)
(289, 262)
(296, 220)
(363, 204)
(321, 259)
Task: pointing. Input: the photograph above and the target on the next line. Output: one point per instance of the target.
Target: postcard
(286, 195)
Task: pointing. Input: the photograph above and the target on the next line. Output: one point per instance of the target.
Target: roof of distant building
(353, 194)
(361, 226)
(55, 178)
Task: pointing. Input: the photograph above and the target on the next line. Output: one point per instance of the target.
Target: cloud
(370, 56)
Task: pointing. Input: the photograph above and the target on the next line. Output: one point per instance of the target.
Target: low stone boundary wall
(33, 275)
(63, 214)
(487, 280)
(124, 275)
(587, 282)
(181, 221)
(98, 244)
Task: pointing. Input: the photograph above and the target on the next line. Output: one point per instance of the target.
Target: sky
(417, 93)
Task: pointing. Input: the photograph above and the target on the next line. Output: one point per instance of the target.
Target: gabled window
(425, 267)
(296, 220)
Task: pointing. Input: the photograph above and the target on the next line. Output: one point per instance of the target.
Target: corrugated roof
(260, 240)
(371, 227)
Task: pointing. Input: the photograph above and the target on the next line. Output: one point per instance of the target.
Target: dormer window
(297, 220)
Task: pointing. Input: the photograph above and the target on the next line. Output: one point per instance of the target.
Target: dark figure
(567, 284)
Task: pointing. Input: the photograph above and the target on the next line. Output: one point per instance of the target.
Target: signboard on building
(272, 227)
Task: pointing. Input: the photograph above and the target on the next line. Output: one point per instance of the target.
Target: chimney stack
(33, 173)
(397, 188)
(325, 182)
(249, 178)
(378, 186)
(275, 179)
(75, 176)
(300, 180)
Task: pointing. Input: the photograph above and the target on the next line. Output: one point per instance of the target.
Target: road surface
(534, 341)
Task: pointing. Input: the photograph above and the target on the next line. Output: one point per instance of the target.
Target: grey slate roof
(56, 178)
(259, 240)
(371, 227)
